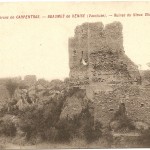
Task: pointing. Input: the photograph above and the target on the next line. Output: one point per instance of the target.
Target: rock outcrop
(74, 104)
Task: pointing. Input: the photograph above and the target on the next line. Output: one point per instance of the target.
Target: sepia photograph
(74, 75)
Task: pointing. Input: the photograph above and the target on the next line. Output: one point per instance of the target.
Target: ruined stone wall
(102, 49)
(140, 105)
(111, 77)
(107, 103)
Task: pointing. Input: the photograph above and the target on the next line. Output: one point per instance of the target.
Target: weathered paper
(101, 49)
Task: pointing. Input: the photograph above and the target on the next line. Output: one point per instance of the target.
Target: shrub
(41, 119)
(80, 126)
(67, 129)
(31, 120)
(7, 127)
(11, 87)
(91, 131)
(123, 120)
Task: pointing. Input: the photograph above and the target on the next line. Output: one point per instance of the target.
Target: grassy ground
(8, 143)
(118, 142)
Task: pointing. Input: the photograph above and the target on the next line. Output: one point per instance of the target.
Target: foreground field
(121, 141)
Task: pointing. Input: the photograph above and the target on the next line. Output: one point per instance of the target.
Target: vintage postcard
(74, 75)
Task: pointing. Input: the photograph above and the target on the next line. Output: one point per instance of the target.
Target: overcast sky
(40, 46)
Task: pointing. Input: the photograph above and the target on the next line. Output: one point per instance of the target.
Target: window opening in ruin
(82, 54)
(82, 60)
(74, 51)
(142, 105)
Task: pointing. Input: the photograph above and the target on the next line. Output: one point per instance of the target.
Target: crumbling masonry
(98, 63)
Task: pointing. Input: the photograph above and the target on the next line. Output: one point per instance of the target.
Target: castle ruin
(99, 65)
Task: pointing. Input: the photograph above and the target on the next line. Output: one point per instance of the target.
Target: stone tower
(96, 54)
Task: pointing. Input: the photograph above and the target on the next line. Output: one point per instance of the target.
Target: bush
(41, 119)
(92, 132)
(7, 127)
(122, 120)
(31, 120)
(80, 126)
(67, 129)
(11, 87)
